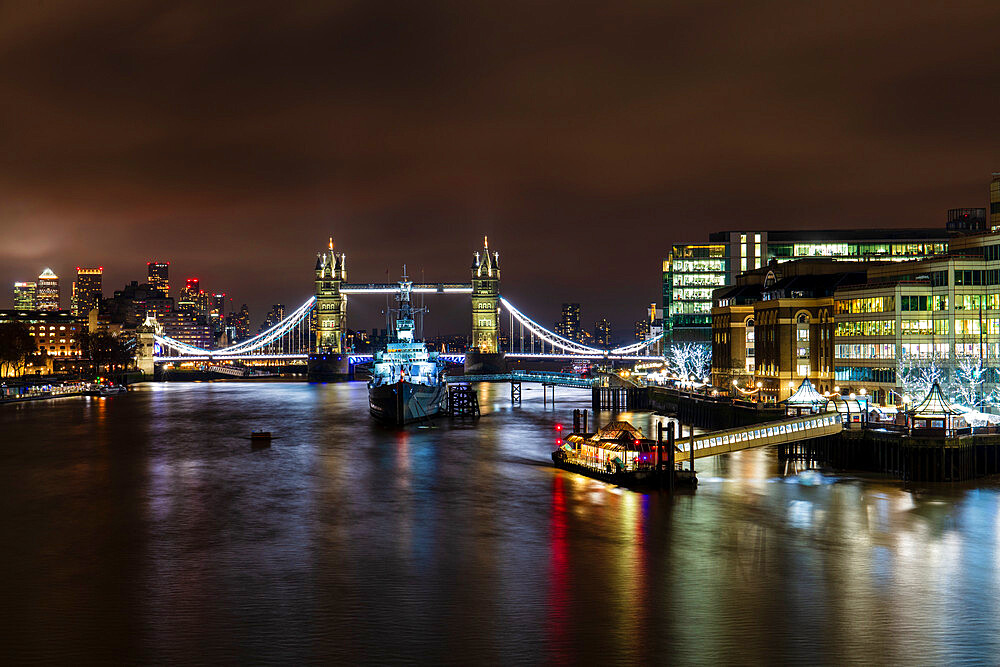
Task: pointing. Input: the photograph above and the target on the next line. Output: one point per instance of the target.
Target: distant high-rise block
(48, 290)
(158, 276)
(966, 220)
(275, 315)
(641, 329)
(25, 296)
(87, 290)
(602, 332)
(241, 325)
(193, 300)
(570, 321)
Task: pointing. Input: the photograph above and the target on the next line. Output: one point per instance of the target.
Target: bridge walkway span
(793, 429)
(542, 377)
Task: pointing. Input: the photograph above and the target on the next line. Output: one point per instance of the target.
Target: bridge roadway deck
(558, 379)
(418, 288)
(793, 429)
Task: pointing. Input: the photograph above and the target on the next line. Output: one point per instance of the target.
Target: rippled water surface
(144, 528)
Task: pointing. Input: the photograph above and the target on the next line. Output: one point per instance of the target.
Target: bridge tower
(145, 347)
(328, 359)
(484, 355)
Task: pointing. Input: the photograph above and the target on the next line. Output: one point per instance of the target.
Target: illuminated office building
(48, 290)
(944, 310)
(25, 296)
(692, 271)
(87, 290)
(158, 276)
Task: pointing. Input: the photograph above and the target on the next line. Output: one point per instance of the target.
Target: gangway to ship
(794, 429)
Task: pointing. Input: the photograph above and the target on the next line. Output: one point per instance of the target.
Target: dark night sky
(232, 139)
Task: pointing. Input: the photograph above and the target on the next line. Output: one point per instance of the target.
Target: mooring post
(671, 466)
(692, 447)
(659, 447)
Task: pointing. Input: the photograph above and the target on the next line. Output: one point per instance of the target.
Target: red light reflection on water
(558, 601)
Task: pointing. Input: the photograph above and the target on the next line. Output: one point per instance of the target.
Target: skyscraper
(570, 322)
(25, 296)
(995, 202)
(275, 315)
(48, 290)
(87, 290)
(602, 332)
(241, 324)
(217, 312)
(193, 301)
(159, 276)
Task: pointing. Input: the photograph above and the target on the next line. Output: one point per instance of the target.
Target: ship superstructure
(407, 381)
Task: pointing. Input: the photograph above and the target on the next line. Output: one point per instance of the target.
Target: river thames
(144, 528)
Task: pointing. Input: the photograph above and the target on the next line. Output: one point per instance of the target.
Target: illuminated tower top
(331, 265)
(485, 265)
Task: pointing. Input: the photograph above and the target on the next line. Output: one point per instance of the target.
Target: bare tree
(916, 375)
(16, 345)
(969, 378)
(690, 359)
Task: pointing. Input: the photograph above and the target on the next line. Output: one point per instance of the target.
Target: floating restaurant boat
(407, 382)
(619, 453)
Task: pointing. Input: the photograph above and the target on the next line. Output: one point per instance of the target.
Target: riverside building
(943, 311)
(692, 271)
(775, 328)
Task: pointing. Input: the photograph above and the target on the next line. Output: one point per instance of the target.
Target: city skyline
(630, 129)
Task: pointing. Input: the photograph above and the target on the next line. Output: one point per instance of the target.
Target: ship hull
(405, 402)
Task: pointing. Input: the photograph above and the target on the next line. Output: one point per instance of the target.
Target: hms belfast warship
(407, 381)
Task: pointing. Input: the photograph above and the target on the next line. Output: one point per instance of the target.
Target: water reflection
(144, 528)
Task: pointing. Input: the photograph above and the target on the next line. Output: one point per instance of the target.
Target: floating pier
(618, 453)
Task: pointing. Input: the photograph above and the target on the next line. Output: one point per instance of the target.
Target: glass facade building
(940, 310)
(692, 271)
(25, 296)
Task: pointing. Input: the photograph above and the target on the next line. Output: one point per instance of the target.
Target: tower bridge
(316, 331)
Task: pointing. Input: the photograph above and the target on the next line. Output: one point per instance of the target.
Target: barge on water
(618, 453)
